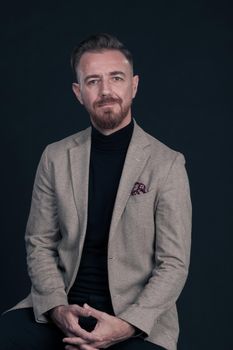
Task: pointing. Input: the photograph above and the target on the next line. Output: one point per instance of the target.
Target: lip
(107, 104)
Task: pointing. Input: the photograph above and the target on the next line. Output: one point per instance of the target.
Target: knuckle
(70, 328)
(73, 307)
(104, 316)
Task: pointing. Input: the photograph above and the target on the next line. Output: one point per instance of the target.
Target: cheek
(128, 94)
(88, 98)
(124, 91)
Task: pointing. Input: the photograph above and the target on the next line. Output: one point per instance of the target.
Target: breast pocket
(139, 226)
(140, 209)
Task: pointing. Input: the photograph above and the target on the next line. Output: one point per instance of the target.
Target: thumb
(93, 312)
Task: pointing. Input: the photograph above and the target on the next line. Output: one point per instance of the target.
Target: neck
(117, 141)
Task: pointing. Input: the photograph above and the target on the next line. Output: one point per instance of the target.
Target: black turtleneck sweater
(106, 164)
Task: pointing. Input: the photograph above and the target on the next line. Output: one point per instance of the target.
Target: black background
(183, 53)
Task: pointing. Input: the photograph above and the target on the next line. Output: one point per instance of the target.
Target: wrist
(54, 310)
(132, 329)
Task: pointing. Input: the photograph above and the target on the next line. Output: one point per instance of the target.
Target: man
(108, 235)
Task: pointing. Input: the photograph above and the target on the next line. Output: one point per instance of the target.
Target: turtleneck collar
(118, 140)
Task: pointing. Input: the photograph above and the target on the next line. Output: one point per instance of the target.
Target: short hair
(97, 43)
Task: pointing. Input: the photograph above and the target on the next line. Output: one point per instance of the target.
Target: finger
(82, 340)
(81, 333)
(80, 311)
(69, 334)
(94, 312)
(88, 347)
(100, 345)
(74, 340)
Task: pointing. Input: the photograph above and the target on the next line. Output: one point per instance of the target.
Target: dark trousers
(20, 331)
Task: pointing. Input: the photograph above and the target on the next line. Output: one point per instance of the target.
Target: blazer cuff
(43, 303)
(140, 317)
(139, 333)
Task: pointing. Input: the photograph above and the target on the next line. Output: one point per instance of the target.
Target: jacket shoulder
(58, 149)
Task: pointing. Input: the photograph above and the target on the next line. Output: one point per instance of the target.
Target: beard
(107, 118)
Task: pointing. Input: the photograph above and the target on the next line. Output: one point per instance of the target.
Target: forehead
(103, 62)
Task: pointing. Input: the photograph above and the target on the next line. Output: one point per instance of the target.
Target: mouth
(104, 104)
(107, 102)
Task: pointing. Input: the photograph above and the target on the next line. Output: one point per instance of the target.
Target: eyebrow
(117, 72)
(92, 76)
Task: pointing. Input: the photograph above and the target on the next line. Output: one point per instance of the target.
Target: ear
(77, 92)
(135, 84)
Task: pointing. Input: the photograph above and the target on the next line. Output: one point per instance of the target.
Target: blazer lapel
(136, 158)
(79, 163)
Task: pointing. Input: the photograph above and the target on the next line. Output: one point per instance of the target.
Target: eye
(92, 82)
(117, 78)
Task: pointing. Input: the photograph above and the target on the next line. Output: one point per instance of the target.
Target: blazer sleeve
(172, 251)
(42, 238)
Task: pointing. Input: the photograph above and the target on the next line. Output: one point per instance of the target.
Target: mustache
(107, 99)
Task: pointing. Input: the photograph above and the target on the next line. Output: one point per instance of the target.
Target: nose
(105, 87)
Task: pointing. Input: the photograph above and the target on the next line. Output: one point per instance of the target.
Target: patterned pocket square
(138, 188)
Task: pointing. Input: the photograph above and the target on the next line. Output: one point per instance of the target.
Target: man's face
(106, 88)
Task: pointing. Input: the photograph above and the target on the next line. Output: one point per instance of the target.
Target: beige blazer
(149, 238)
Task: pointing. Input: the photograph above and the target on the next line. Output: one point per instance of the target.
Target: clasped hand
(108, 331)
